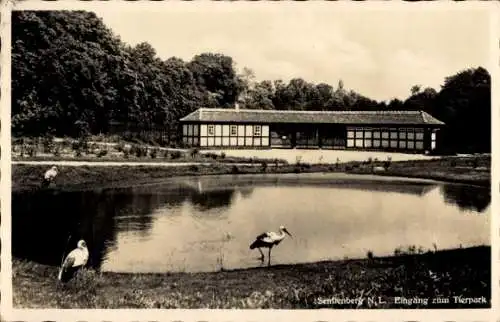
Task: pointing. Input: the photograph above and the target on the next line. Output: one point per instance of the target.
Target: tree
(415, 89)
(261, 96)
(215, 73)
(464, 104)
(60, 74)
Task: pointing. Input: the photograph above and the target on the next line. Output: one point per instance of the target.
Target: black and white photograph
(249, 155)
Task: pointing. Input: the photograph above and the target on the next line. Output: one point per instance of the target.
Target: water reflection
(212, 199)
(176, 219)
(466, 198)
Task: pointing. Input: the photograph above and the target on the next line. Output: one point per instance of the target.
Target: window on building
(234, 130)
(402, 134)
(257, 130)
(433, 140)
(419, 135)
(211, 129)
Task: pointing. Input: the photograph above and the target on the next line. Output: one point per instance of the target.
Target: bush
(102, 153)
(223, 155)
(57, 151)
(194, 152)
(235, 170)
(153, 153)
(47, 144)
(31, 150)
(193, 168)
(264, 166)
(120, 147)
(176, 155)
(94, 147)
(139, 151)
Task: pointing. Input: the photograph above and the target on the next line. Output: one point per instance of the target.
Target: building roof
(325, 117)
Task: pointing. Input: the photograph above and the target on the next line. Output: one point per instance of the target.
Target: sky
(377, 52)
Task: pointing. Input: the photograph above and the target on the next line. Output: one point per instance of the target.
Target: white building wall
(227, 135)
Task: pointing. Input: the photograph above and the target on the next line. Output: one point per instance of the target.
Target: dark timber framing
(403, 131)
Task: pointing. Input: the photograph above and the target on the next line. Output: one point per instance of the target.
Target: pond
(207, 223)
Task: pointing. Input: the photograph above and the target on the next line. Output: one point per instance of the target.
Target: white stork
(49, 176)
(269, 240)
(75, 260)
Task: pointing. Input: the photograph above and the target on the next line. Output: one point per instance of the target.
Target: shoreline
(77, 177)
(425, 276)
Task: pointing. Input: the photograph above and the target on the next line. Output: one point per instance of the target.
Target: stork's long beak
(286, 231)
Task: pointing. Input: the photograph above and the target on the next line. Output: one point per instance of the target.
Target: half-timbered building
(408, 131)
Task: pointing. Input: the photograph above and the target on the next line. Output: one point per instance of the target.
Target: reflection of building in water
(414, 188)
(466, 197)
(212, 199)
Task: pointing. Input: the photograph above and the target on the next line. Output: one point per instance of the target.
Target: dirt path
(123, 163)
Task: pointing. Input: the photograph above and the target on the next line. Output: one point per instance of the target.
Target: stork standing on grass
(269, 240)
(75, 260)
(49, 176)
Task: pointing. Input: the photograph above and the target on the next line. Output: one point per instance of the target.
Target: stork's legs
(261, 254)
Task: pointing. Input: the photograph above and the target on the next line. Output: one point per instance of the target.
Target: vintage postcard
(249, 160)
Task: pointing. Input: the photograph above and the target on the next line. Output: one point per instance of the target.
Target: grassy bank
(474, 170)
(432, 275)
(469, 170)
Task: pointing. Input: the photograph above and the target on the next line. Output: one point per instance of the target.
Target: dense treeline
(71, 75)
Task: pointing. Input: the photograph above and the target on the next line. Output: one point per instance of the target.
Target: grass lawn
(441, 274)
